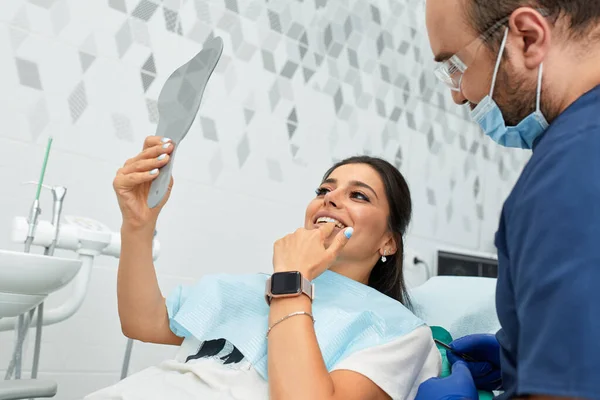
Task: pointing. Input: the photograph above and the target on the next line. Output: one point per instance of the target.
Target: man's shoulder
(569, 161)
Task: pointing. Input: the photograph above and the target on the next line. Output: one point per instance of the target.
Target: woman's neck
(357, 272)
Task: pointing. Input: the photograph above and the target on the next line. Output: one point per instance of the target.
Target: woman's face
(354, 195)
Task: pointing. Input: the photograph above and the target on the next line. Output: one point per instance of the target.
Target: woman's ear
(389, 245)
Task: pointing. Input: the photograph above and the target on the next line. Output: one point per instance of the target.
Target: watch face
(286, 283)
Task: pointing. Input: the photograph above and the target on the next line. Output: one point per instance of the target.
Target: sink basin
(12, 305)
(35, 274)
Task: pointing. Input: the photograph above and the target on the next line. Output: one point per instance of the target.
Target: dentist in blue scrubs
(530, 72)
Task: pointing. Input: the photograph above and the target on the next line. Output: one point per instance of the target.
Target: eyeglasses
(451, 71)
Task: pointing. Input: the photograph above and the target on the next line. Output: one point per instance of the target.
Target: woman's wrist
(283, 306)
(138, 230)
(307, 273)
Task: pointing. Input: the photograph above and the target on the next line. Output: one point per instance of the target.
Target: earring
(383, 257)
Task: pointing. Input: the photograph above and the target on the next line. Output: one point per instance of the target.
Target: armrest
(27, 389)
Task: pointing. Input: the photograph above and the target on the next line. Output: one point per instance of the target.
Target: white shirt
(216, 370)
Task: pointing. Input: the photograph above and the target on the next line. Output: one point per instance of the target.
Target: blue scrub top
(548, 293)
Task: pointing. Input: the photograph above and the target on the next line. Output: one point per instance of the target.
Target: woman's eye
(321, 191)
(360, 196)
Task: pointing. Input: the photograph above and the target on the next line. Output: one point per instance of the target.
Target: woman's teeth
(324, 220)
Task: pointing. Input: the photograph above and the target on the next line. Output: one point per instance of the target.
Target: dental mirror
(178, 104)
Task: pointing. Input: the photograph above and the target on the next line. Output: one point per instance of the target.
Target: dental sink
(26, 279)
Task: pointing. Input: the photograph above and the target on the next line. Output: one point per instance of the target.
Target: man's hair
(582, 16)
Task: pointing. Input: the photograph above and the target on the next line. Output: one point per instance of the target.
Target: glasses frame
(455, 65)
(444, 68)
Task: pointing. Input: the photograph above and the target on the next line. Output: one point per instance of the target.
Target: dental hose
(15, 364)
(38, 341)
(24, 321)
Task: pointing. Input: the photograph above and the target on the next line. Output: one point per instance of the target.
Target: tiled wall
(300, 84)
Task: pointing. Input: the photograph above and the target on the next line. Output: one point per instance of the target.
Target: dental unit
(26, 280)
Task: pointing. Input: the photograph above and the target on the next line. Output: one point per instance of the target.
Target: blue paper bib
(349, 316)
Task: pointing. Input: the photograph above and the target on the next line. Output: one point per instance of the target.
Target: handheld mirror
(178, 104)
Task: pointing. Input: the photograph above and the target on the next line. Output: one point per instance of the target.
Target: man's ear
(531, 36)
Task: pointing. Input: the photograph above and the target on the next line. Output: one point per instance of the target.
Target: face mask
(489, 116)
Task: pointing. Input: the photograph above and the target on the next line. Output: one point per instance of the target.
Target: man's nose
(459, 98)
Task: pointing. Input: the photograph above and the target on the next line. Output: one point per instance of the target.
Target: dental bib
(349, 316)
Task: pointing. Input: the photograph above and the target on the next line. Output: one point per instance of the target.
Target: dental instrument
(35, 210)
(70, 236)
(178, 104)
(58, 195)
(459, 354)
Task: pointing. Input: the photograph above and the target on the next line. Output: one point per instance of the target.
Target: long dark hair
(388, 277)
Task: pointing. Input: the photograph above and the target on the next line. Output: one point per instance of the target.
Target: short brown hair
(583, 16)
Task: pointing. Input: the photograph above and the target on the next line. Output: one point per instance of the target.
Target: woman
(364, 198)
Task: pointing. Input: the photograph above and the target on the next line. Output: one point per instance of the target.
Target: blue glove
(458, 386)
(485, 349)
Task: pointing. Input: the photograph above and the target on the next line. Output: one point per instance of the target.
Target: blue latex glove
(458, 385)
(486, 349)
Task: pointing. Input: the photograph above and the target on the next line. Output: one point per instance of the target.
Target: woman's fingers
(152, 141)
(129, 181)
(145, 165)
(152, 152)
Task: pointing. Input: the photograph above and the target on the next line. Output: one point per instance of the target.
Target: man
(530, 71)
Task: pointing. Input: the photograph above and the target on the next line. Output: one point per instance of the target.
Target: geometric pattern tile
(77, 102)
(86, 60)
(124, 38)
(152, 108)
(358, 74)
(144, 10)
(29, 74)
(38, 119)
(172, 22)
(209, 129)
(123, 128)
(118, 5)
(216, 165)
(274, 170)
(243, 151)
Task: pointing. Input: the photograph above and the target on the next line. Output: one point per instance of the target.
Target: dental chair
(462, 305)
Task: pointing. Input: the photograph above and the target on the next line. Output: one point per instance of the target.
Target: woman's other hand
(133, 180)
(305, 251)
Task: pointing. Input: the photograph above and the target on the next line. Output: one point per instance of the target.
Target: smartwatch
(288, 284)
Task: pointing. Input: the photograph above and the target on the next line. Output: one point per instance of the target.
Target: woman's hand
(132, 183)
(305, 251)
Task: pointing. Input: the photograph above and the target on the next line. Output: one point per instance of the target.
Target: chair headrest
(462, 305)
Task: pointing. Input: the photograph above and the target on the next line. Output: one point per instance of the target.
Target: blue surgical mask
(489, 116)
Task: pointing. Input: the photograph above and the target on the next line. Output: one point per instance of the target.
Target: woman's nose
(330, 199)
